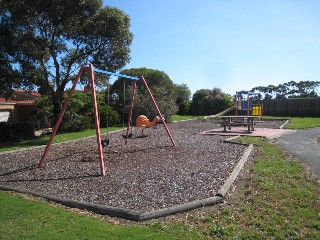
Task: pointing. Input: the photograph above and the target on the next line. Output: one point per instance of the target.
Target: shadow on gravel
(53, 179)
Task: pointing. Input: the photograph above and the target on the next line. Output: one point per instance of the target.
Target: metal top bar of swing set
(133, 93)
(115, 74)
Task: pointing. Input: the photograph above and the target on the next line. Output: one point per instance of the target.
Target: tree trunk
(57, 107)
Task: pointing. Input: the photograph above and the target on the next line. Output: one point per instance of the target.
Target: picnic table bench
(232, 120)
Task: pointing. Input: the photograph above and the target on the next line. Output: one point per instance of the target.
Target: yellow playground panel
(256, 110)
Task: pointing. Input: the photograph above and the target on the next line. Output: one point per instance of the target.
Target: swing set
(100, 142)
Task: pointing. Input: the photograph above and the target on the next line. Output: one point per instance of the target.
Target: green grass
(185, 117)
(28, 219)
(57, 139)
(298, 123)
(281, 201)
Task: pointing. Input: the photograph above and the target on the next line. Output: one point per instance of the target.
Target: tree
(208, 102)
(44, 43)
(308, 89)
(9, 78)
(292, 89)
(162, 89)
(183, 98)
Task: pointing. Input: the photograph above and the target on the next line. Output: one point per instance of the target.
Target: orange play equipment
(143, 121)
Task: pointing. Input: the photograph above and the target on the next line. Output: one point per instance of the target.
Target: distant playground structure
(247, 109)
(244, 104)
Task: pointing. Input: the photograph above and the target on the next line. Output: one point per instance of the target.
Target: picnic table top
(252, 117)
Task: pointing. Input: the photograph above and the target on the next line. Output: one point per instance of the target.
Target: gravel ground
(146, 174)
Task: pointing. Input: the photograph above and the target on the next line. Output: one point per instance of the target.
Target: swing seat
(125, 135)
(105, 142)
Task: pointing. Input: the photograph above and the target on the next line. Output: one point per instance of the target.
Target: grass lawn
(278, 200)
(298, 123)
(57, 139)
(185, 117)
(35, 219)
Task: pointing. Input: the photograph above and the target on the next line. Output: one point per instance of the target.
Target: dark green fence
(298, 107)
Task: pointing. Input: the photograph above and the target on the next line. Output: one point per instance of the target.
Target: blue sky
(230, 44)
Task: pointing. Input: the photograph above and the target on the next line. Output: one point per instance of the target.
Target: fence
(297, 107)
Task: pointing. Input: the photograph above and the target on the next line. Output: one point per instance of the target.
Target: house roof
(21, 97)
(6, 101)
(6, 104)
(19, 94)
(25, 102)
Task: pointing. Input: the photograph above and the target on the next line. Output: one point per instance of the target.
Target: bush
(208, 102)
(76, 123)
(79, 114)
(108, 116)
(13, 132)
(184, 108)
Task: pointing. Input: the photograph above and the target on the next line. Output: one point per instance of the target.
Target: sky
(233, 45)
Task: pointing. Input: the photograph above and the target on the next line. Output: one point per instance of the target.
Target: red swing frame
(96, 116)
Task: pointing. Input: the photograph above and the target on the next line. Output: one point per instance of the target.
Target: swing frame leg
(64, 108)
(155, 105)
(131, 108)
(158, 110)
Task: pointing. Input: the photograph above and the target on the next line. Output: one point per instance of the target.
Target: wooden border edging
(232, 177)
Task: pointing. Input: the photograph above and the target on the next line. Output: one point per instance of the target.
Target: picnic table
(232, 120)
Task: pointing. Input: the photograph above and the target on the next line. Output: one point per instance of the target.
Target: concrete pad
(242, 131)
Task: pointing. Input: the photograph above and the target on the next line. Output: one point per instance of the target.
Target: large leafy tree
(162, 89)
(9, 78)
(44, 42)
(210, 101)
